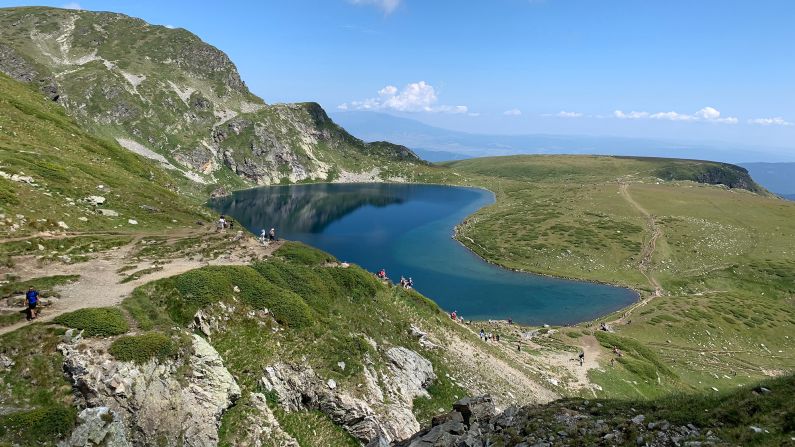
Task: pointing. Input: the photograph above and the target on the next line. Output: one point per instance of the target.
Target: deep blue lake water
(407, 229)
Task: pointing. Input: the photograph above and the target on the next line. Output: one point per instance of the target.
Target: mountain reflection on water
(406, 229)
(303, 209)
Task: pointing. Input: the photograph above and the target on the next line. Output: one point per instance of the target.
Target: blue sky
(719, 70)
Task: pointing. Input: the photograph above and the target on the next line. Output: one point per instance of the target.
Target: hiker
(263, 236)
(482, 334)
(221, 223)
(454, 315)
(518, 347)
(32, 301)
(410, 283)
(612, 363)
(402, 281)
(381, 274)
(272, 235)
(510, 320)
(582, 357)
(603, 327)
(497, 338)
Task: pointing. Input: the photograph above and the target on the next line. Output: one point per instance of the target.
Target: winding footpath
(100, 283)
(647, 252)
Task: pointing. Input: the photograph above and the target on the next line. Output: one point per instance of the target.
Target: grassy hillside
(51, 165)
(720, 258)
(166, 93)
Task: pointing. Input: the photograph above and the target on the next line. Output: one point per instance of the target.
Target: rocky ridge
(166, 95)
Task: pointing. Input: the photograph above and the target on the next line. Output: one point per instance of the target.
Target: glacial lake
(407, 230)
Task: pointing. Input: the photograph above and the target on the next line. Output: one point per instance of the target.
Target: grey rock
(97, 426)
(6, 362)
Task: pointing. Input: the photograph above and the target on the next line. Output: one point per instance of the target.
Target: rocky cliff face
(166, 95)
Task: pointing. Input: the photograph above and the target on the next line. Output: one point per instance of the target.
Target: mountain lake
(407, 229)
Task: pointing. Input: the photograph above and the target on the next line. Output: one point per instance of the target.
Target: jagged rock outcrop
(383, 412)
(172, 402)
(260, 427)
(166, 95)
(464, 426)
(299, 388)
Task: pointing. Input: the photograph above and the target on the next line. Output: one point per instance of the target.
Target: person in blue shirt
(32, 300)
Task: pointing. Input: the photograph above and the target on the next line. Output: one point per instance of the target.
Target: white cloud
(775, 121)
(415, 97)
(72, 5)
(707, 114)
(631, 115)
(170, 26)
(388, 6)
(512, 112)
(671, 116)
(565, 114)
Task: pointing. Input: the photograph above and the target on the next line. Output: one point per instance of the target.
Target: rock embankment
(475, 423)
(167, 402)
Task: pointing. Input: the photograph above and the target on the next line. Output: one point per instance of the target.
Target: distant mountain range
(437, 144)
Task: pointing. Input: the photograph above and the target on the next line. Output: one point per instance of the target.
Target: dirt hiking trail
(100, 283)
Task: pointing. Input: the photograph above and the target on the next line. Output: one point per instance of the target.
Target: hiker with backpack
(32, 301)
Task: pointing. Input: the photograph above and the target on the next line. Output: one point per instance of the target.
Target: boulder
(95, 200)
(107, 213)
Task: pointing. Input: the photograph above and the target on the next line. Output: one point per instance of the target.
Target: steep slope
(55, 177)
(166, 94)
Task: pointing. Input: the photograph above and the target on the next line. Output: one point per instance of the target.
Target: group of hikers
(223, 223)
(488, 336)
(406, 283)
(269, 236)
(264, 237)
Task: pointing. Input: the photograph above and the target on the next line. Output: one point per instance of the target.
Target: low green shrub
(303, 254)
(207, 285)
(39, 426)
(142, 348)
(355, 282)
(95, 322)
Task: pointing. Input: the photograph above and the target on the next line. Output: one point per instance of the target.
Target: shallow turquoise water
(407, 230)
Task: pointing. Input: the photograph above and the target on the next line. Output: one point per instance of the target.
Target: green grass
(38, 139)
(95, 322)
(208, 285)
(44, 285)
(37, 396)
(142, 348)
(724, 258)
(39, 426)
(298, 252)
